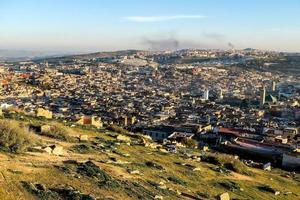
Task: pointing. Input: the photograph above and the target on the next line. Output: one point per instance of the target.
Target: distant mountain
(104, 54)
(20, 55)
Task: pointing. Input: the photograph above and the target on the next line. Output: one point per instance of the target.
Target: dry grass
(15, 137)
(60, 132)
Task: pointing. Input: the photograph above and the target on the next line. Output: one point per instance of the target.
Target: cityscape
(165, 119)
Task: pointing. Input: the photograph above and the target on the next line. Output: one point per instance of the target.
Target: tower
(221, 94)
(262, 97)
(46, 64)
(206, 94)
(273, 86)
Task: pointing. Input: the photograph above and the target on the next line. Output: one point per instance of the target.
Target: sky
(102, 25)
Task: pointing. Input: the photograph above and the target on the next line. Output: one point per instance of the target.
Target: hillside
(89, 56)
(108, 165)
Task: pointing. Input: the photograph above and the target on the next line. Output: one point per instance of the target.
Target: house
(94, 121)
(180, 136)
(97, 122)
(159, 132)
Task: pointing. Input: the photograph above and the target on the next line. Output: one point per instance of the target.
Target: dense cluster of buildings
(226, 107)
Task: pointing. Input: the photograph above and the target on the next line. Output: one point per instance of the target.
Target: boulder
(224, 196)
(46, 128)
(135, 172)
(83, 138)
(267, 166)
(277, 193)
(123, 138)
(57, 150)
(163, 150)
(48, 150)
(197, 169)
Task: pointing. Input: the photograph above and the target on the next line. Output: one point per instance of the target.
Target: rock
(277, 193)
(267, 166)
(57, 150)
(197, 169)
(123, 138)
(48, 150)
(162, 182)
(126, 155)
(196, 158)
(135, 172)
(77, 176)
(158, 197)
(151, 145)
(164, 187)
(46, 128)
(178, 192)
(83, 138)
(224, 196)
(286, 193)
(163, 150)
(148, 137)
(205, 148)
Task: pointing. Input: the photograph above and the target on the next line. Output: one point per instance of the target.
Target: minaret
(206, 94)
(273, 86)
(221, 94)
(262, 97)
(46, 64)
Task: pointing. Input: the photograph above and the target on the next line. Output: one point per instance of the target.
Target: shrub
(230, 185)
(40, 191)
(266, 188)
(91, 170)
(60, 132)
(117, 129)
(14, 137)
(176, 180)
(190, 143)
(82, 148)
(227, 162)
(154, 165)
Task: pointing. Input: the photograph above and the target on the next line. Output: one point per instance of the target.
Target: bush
(154, 165)
(91, 170)
(190, 143)
(42, 192)
(230, 185)
(117, 129)
(266, 188)
(14, 137)
(82, 148)
(227, 162)
(176, 180)
(60, 132)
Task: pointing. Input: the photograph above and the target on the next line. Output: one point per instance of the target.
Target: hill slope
(110, 167)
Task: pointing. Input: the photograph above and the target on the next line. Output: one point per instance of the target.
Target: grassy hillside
(110, 167)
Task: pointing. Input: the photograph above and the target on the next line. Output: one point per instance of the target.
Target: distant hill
(105, 54)
(21, 55)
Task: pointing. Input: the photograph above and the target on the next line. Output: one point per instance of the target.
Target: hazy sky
(91, 25)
